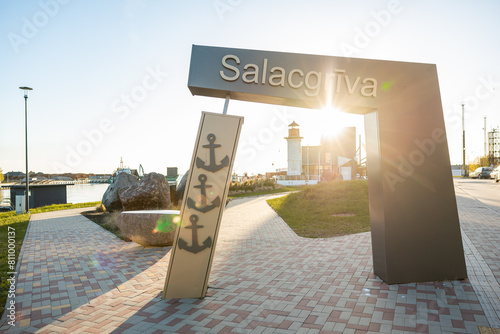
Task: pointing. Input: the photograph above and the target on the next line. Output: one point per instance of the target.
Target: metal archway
(414, 219)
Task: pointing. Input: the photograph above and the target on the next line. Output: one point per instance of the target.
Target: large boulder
(181, 187)
(152, 192)
(149, 227)
(111, 199)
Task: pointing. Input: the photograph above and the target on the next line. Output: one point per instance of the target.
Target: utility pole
(463, 142)
(319, 164)
(307, 162)
(359, 152)
(485, 139)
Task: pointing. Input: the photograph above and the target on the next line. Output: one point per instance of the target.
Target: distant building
(334, 154)
(13, 176)
(494, 146)
(62, 178)
(456, 170)
(308, 164)
(278, 172)
(172, 175)
(99, 178)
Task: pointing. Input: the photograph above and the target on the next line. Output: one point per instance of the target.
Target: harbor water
(87, 192)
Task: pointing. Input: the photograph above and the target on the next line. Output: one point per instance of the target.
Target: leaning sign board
(414, 219)
(203, 205)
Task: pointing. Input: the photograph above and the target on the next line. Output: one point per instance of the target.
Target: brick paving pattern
(75, 277)
(481, 238)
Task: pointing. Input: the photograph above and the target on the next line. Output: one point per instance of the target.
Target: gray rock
(149, 227)
(181, 187)
(111, 199)
(152, 192)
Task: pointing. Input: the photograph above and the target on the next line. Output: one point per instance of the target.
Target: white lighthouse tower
(294, 150)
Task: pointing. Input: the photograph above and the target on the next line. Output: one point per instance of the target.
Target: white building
(294, 150)
(494, 144)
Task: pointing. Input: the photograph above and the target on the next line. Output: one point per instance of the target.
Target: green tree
(1, 175)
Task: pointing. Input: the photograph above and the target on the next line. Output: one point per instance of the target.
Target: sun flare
(331, 121)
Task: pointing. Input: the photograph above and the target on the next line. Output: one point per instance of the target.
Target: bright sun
(331, 120)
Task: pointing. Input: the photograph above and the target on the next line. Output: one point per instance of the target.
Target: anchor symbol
(195, 247)
(202, 205)
(212, 167)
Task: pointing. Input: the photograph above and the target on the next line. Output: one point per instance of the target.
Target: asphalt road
(486, 191)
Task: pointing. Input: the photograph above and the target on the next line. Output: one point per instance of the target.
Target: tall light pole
(463, 142)
(26, 89)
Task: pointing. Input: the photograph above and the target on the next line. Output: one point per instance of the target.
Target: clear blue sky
(85, 59)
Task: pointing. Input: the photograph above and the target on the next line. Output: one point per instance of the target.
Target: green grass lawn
(10, 222)
(327, 209)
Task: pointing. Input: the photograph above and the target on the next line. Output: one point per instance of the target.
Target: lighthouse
(294, 150)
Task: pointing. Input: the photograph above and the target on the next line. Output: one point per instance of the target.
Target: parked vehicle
(481, 173)
(495, 174)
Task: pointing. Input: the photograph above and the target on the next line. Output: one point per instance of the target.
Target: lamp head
(26, 89)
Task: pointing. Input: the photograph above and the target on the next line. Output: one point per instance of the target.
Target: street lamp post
(463, 140)
(26, 89)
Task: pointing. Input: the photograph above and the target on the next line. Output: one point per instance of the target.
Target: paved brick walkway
(75, 277)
